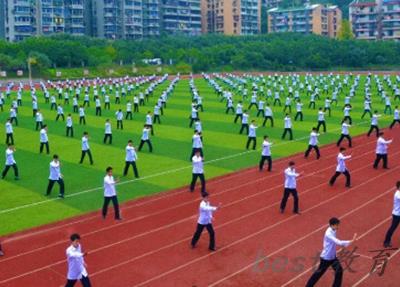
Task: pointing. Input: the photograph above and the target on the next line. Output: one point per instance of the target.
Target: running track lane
(57, 271)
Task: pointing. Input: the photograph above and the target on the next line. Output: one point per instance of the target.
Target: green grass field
(172, 147)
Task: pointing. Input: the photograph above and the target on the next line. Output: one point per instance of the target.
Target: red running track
(256, 245)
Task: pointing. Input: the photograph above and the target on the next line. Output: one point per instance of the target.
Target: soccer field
(23, 204)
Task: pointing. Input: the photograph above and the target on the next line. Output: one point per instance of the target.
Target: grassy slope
(172, 146)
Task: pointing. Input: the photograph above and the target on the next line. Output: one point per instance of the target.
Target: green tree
(345, 32)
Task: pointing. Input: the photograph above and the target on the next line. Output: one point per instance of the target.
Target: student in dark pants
(130, 159)
(290, 188)
(205, 221)
(395, 217)
(10, 162)
(110, 194)
(76, 263)
(341, 168)
(266, 154)
(381, 151)
(55, 176)
(198, 172)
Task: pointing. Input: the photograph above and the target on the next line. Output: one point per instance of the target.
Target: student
(288, 104)
(312, 101)
(70, 128)
(110, 194)
(245, 123)
(149, 122)
(395, 217)
(39, 120)
(341, 168)
(44, 140)
(229, 106)
(260, 108)
(313, 143)
(346, 112)
(268, 115)
(146, 138)
(13, 116)
(396, 117)
(197, 144)
(328, 255)
(288, 127)
(107, 102)
(198, 172)
(55, 176)
(130, 159)
(75, 105)
(10, 162)
(266, 154)
(290, 188)
(299, 113)
(120, 116)
(1, 251)
(321, 120)
(205, 221)
(239, 112)
(135, 104)
(128, 110)
(374, 124)
(82, 115)
(9, 132)
(367, 108)
(252, 137)
(86, 148)
(98, 106)
(156, 114)
(327, 106)
(107, 132)
(76, 263)
(60, 113)
(253, 101)
(381, 151)
(193, 116)
(388, 105)
(345, 134)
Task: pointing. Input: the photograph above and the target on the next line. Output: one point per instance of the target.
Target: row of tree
(283, 51)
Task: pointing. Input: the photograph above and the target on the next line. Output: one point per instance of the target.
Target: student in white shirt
(130, 159)
(10, 162)
(290, 188)
(119, 115)
(374, 124)
(9, 132)
(156, 114)
(367, 108)
(60, 113)
(266, 154)
(299, 112)
(287, 127)
(205, 221)
(107, 132)
(260, 108)
(69, 125)
(86, 148)
(44, 140)
(75, 108)
(313, 143)
(193, 116)
(395, 217)
(197, 144)
(252, 137)
(82, 118)
(396, 117)
(341, 167)
(98, 106)
(328, 255)
(110, 194)
(345, 134)
(327, 106)
(229, 106)
(321, 120)
(347, 117)
(55, 176)
(245, 122)
(381, 151)
(39, 120)
(149, 122)
(76, 263)
(13, 116)
(239, 112)
(146, 138)
(128, 110)
(268, 115)
(198, 172)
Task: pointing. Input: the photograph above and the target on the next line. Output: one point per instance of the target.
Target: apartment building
(181, 17)
(235, 17)
(316, 19)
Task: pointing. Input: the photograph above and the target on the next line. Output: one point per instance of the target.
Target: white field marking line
(365, 256)
(157, 229)
(152, 175)
(265, 229)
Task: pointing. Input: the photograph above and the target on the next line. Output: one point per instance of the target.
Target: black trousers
(47, 147)
(277, 101)
(127, 164)
(378, 158)
(60, 115)
(263, 159)
(128, 115)
(336, 175)
(70, 130)
(53, 105)
(323, 266)
(310, 147)
(84, 281)
(393, 123)
(252, 104)
(98, 111)
(7, 168)
(238, 116)
(387, 108)
(86, 103)
(60, 182)
(194, 150)
(260, 112)
(136, 108)
(249, 140)
(286, 193)
(348, 118)
(373, 127)
(84, 152)
(198, 232)
(266, 118)
(107, 106)
(285, 131)
(323, 124)
(9, 139)
(229, 109)
(109, 137)
(148, 143)
(244, 126)
(75, 109)
(311, 105)
(202, 180)
(329, 110)
(156, 118)
(120, 125)
(14, 119)
(39, 125)
(82, 120)
(342, 136)
(299, 114)
(192, 121)
(366, 112)
(392, 229)
(114, 200)
(287, 107)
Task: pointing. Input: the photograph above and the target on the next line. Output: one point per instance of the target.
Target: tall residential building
(316, 19)
(2, 20)
(181, 17)
(371, 20)
(49, 15)
(151, 17)
(75, 17)
(236, 17)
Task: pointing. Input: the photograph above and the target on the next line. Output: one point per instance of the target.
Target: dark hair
(55, 156)
(108, 169)
(342, 149)
(398, 184)
(334, 221)
(204, 194)
(381, 133)
(291, 163)
(129, 141)
(75, 236)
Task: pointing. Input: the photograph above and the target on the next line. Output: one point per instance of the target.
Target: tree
(345, 32)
